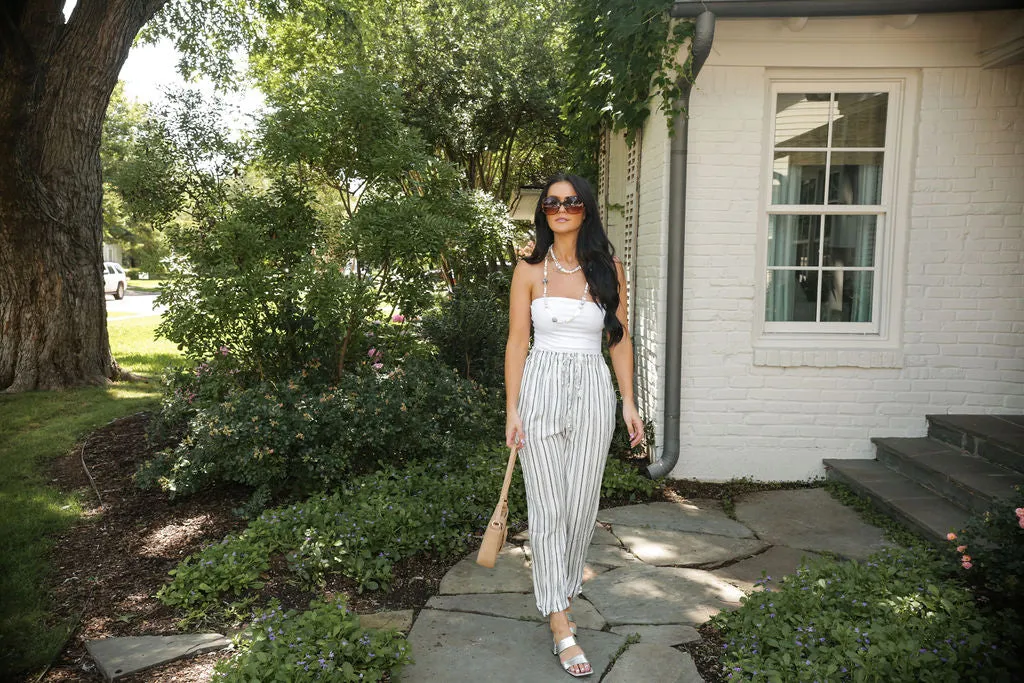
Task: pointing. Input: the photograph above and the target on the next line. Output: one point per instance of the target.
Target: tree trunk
(55, 83)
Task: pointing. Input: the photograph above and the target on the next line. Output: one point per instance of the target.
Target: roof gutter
(700, 48)
(684, 9)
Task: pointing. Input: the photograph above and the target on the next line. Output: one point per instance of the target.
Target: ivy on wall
(623, 56)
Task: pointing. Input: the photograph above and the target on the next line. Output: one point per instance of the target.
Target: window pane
(793, 240)
(846, 296)
(801, 120)
(855, 178)
(791, 295)
(860, 119)
(798, 178)
(849, 241)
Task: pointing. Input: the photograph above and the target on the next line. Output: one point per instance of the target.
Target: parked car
(115, 280)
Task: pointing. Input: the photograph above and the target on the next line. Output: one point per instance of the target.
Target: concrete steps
(934, 484)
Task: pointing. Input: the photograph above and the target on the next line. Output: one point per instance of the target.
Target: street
(134, 304)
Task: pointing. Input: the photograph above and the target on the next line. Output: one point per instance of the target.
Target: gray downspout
(703, 36)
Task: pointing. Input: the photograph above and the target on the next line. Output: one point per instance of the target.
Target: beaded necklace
(559, 267)
(544, 298)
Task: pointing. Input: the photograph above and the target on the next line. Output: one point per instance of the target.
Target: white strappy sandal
(563, 645)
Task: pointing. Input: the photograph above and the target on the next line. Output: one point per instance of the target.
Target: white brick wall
(649, 291)
(963, 305)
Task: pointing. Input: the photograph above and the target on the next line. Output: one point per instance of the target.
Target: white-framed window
(832, 237)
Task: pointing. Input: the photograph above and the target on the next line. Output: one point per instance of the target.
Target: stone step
(999, 438)
(969, 481)
(896, 495)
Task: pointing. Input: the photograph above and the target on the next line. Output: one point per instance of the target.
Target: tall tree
(56, 78)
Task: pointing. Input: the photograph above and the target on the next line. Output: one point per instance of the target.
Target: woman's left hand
(634, 425)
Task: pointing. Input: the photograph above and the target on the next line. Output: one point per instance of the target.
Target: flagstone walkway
(659, 570)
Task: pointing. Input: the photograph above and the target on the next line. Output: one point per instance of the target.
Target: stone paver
(511, 574)
(663, 547)
(456, 647)
(643, 594)
(609, 556)
(652, 662)
(668, 634)
(809, 519)
(776, 562)
(675, 517)
(119, 657)
(399, 620)
(602, 536)
(514, 606)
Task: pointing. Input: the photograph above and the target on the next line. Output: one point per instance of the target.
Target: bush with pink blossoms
(990, 552)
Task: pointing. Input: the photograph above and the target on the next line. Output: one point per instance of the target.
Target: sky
(151, 69)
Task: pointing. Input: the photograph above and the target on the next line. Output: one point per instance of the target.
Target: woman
(559, 398)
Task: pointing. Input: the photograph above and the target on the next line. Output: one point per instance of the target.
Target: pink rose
(950, 536)
(961, 548)
(398, 318)
(378, 366)
(371, 353)
(967, 565)
(1020, 512)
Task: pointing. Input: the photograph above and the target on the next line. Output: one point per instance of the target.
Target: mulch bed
(108, 568)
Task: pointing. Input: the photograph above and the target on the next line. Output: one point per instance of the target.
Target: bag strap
(508, 474)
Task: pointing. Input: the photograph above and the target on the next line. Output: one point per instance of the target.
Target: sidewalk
(659, 570)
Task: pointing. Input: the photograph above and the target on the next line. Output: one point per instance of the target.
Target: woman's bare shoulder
(527, 270)
(527, 275)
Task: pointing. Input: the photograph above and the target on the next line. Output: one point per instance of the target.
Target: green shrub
(471, 327)
(324, 643)
(989, 552)
(265, 280)
(294, 437)
(359, 531)
(892, 618)
(624, 481)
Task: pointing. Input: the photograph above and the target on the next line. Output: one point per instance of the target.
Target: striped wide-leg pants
(567, 405)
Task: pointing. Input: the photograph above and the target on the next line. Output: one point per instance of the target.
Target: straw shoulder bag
(497, 528)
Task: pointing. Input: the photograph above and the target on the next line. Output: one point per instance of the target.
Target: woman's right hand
(514, 434)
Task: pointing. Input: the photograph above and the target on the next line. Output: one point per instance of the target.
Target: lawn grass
(146, 285)
(135, 348)
(36, 428)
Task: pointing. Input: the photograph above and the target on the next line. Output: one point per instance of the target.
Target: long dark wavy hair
(593, 251)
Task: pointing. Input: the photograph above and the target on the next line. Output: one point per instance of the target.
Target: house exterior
(113, 252)
(853, 236)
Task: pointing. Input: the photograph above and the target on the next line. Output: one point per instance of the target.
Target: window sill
(804, 354)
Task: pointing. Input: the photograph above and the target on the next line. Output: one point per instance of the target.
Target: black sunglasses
(551, 205)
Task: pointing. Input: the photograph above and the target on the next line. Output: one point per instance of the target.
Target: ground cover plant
(324, 642)
(909, 612)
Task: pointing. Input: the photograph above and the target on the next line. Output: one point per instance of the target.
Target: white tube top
(582, 335)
